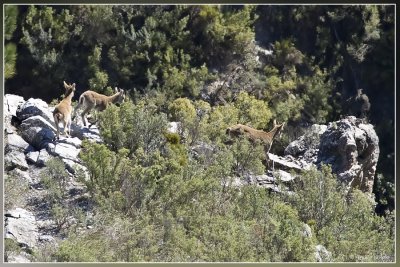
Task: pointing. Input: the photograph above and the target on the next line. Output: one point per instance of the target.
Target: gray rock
(35, 107)
(37, 132)
(352, 148)
(307, 145)
(307, 232)
(47, 239)
(20, 225)
(15, 142)
(91, 134)
(174, 127)
(322, 254)
(32, 156)
(44, 156)
(202, 150)
(264, 179)
(39, 158)
(74, 168)
(15, 159)
(11, 104)
(284, 176)
(75, 141)
(286, 163)
(21, 257)
(64, 151)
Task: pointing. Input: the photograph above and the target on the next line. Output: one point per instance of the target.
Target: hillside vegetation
(209, 67)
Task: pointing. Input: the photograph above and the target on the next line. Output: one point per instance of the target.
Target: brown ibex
(266, 138)
(63, 110)
(91, 100)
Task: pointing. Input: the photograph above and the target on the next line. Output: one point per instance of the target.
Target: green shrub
(344, 220)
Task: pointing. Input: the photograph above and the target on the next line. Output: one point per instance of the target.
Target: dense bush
(163, 204)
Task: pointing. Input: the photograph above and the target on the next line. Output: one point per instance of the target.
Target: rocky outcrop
(306, 146)
(349, 145)
(29, 145)
(35, 107)
(33, 140)
(352, 148)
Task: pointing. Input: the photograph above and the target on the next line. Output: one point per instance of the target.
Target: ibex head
(121, 95)
(69, 88)
(279, 129)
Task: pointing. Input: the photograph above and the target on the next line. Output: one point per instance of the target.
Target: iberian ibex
(266, 138)
(63, 110)
(357, 105)
(91, 100)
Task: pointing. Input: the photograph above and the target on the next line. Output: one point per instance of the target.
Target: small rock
(202, 149)
(11, 104)
(32, 157)
(15, 142)
(22, 257)
(15, 159)
(64, 151)
(307, 232)
(174, 127)
(264, 178)
(39, 158)
(283, 163)
(284, 176)
(46, 238)
(34, 107)
(91, 134)
(75, 141)
(74, 167)
(322, 254)
(37, 132)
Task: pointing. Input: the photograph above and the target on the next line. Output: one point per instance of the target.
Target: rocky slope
(349, 145)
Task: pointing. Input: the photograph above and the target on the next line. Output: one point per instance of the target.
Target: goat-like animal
(92, 100)
(266, 138)
(63, 110)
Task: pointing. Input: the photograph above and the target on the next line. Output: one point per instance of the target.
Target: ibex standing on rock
(266, 138)
(90, 99)
(358, 105)
(63, 111)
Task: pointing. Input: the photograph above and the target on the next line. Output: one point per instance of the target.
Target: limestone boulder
(15, 159)
(15, 142)
(64, 151)
(307, 145)
(39, 158)
(11, 104)
(37, 131)
(20, 225)
(352, 148)
(35, 107)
